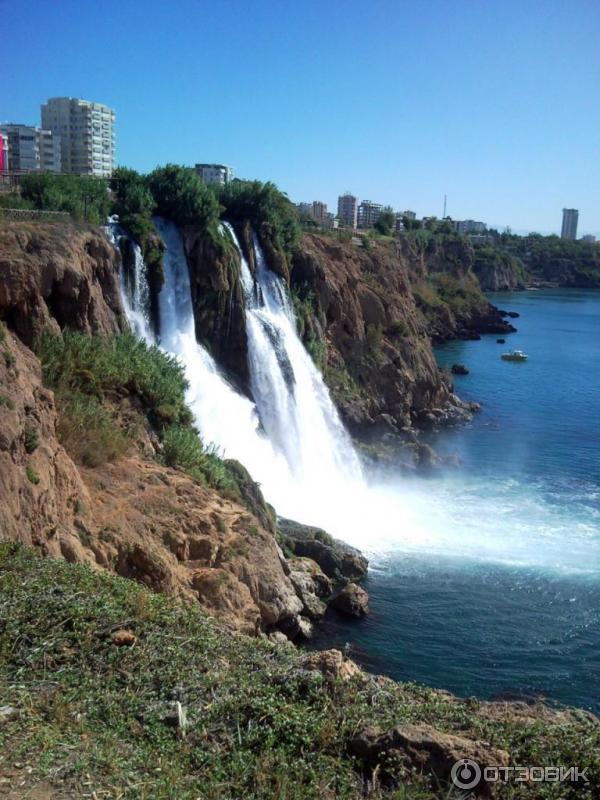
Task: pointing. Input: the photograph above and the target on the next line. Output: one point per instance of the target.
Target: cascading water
(293, 403)
(135, 292)
(295, 446)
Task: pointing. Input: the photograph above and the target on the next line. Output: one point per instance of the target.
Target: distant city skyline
(491, 104)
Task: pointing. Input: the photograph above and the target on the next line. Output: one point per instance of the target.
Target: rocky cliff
(133, 515)
(378, 309)
(368, 315)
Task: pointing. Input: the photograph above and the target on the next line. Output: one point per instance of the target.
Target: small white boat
(514, 355)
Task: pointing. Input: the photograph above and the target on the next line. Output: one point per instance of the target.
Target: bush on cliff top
(84, 198)
(90, 715)
(269, 210)
(182, 197)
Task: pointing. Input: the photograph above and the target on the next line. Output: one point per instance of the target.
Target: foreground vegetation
(91, 716)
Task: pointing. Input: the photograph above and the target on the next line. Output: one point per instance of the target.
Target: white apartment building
(30, 149)
(214, 173)
(348, 209)
(87, 133)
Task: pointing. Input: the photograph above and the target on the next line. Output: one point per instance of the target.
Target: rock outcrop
(58, 275)
(427, 749)
(336, 559)
(352, 600)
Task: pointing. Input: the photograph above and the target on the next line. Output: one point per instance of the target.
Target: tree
(81, 196)
(181, 196)
(131, 194)
(386, 221)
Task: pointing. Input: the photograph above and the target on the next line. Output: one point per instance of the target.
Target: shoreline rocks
(352, 600)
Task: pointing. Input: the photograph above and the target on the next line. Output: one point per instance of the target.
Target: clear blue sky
(495, 103)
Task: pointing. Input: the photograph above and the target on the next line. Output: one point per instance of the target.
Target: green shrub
(88, 431)
(32, 476)
(83, 197)
(114, 367)
(271, 213)
(181, 196)
(183, 448)
(31, 437)
(2, 332)
(6, 402)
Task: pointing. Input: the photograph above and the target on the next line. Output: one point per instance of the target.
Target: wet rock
(339, 561)
(459, 369)
(352, 600)
(308, 580)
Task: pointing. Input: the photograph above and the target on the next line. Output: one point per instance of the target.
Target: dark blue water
(493, 586)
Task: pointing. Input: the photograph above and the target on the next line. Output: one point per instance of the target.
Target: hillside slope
(108, 690)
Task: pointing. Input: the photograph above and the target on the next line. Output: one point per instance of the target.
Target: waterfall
(135, 292)
(226, 419)
(293, 403)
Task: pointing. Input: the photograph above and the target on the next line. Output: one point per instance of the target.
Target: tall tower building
(87, 134)
(569, 223)
(348, 209)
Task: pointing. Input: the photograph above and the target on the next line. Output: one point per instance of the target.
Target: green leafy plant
(32, 475)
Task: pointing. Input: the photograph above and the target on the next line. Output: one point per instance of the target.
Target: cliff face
(378, 358)
(218, 301)
(135, 516)
(497, 271)
(58, 275)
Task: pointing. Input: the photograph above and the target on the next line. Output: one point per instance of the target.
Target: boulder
(338, 560)
(309, 582)
(352, 600)
(332, 664)
(459, 369)
(425, 748)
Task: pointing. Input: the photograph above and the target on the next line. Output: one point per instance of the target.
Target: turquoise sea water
(493, 584)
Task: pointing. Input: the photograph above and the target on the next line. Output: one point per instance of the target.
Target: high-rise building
(87, 134)
(214, 173)
(368, 213)
(29, 148)
(319, 212)
(3, 152)
(569, 223)
(348, 209)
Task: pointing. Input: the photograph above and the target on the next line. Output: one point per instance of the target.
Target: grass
(88, 430)
(91, 375)
(260, 725)
(31, 437)
(107, 367)
(182, 448)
